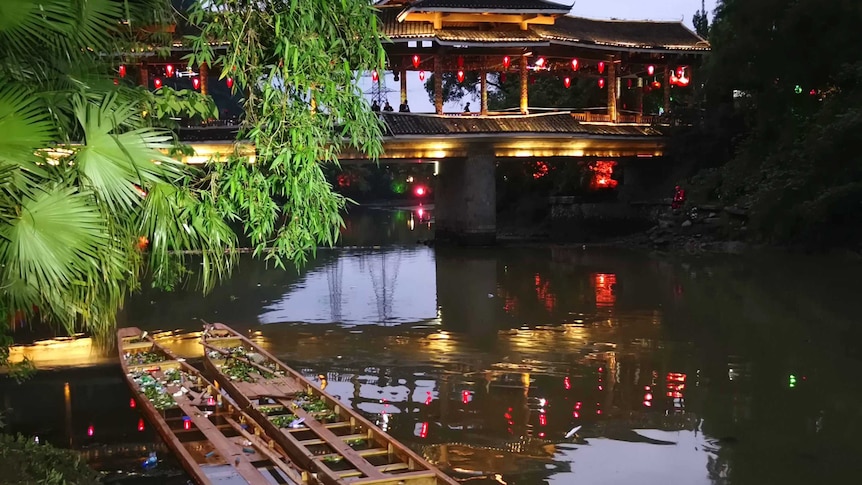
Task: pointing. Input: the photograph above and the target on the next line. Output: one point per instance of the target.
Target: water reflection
(705, 371)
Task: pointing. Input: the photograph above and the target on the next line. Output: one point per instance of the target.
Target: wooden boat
(215, 442)
(321, 434)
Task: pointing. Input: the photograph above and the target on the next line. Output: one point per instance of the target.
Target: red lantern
(506, 62)
(141, 424)
(460, 62)
(374, 75)
(601, 83)
(116, 82)
(502, 77)
(673, 78)
(421, 75)
(169, 70)
(157, 82)
(540, 62)
(187, 423)
(656, 85)
(575, 64)
(196, 82)
(416, 61)
(601, 67)
(132, 403)
(91, 430)
(567, 82)
(229, 82)
(460, 76)
(650, 70)
(122, 70)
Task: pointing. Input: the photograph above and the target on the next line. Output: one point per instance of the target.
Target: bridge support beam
(465, 203)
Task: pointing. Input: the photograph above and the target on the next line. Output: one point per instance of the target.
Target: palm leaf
(24, 23)
(25, 125)
(112, 164)
(54, 240)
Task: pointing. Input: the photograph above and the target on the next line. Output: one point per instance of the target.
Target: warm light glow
(575, 65)
(229, 82)
(650, 70)
(157, 82)
(460, 76)
(566, 383)
(141, 424)
(604, 285)
(419, 191)
(421, 75)
(506, 62)
(132, 403)
(601, 67)
(567, 82)
(540, 62)
(91, 430)
(601, 83)
(196, 82)
(603, 171)
(374, 75)
(169, 70)
(416, 61)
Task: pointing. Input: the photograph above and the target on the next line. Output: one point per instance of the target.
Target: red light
(567, 82)
(465, 396)
(601, 369)
(141, 424)
(647, 388)
(601, 83)
(542, 434)
(566, 383)
(648, 403)
(122, 70)
(420, 191)
(460, 76)
(132, 403)
(601, 67)
(91, 430)
(169, 70)
(578, 405)
(506, 62)
(601, 388)
(650, 70)
(423, 433)
(540, 62)
(543, 420)
(416, 61)
(374, 75)
(428, 399)
(157, 82)
(598, 411)
(575, 64)
(576, 414)
(648, 396)
(211, 401)
(229, 82)
(196, 82)
(421, 75)
(187, 423)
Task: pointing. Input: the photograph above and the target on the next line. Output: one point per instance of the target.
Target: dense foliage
(25, 462)
(784, 93)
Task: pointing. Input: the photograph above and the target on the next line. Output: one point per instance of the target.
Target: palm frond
(24, 23)
(25, 125)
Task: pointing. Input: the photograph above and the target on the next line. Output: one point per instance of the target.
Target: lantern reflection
(604, 284)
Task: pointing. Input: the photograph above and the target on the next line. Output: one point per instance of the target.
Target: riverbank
(24, 461)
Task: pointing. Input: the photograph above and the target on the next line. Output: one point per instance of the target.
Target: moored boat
(320, 433)
(215, 442)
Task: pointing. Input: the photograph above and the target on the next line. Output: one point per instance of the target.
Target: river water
(676, 369)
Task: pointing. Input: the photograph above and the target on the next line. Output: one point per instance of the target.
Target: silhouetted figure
(404, 108)
(375, 106)
(467, 108)
(678, 197)
(387, 107)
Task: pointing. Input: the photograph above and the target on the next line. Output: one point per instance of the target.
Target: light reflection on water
(483, 360)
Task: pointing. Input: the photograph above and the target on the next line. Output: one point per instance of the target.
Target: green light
(792, 381)
(797, 89)
(399, 187)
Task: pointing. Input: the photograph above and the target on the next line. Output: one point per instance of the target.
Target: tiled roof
(623, 33)
(391, 27)
(401, 124)
(475, 36)
(526, 6)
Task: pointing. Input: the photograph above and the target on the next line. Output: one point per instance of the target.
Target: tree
(700, 20)
(297, 63)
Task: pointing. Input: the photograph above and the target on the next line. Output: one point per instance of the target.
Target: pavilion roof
(487, 6)
(626, 35)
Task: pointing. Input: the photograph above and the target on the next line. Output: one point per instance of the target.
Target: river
(677, 369)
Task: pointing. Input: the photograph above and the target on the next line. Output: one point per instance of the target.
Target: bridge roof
(489, 6)
(411, 124)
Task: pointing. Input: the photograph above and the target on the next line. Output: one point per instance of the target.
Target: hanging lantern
(196, 82)
(502, 77)
(656, 85)
(575, 64)
(460, 62)
(132, 403)
(540, 62)
(601, 83)
(157, 82)
(650, 70)
(506, 62)
(169, 70)
(460, 76)
(229, 82)
(416, 61)
(682, 79)
(421, 75)
(374, 75)
(122, 70)
(91, 430)
(141, 424)
(567, 82)
(601, 67)
(673, 78)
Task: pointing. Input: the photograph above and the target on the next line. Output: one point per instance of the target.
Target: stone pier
(466, 198)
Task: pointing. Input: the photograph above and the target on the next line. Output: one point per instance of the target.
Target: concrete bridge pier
(465, 203)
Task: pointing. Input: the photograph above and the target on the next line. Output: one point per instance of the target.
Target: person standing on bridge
(404, 108)
(375, 107)
(467, 108)
(387, 107)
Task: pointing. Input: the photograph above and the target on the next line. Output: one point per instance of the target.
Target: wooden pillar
(612, 90)
(639, 99)
(525, 100)
(144, 75)
(483, 74)
(205, 74)
(438, 84)
(403, 85)
(666, 88)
